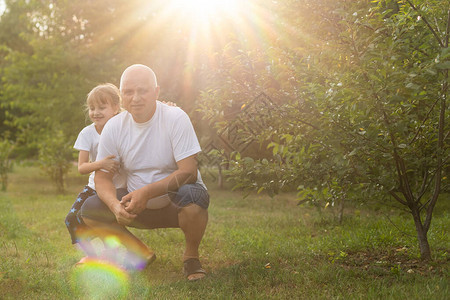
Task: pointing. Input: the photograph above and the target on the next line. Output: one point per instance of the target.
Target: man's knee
(93, 209)
(193, 217)
(189, 194)
(193, 210)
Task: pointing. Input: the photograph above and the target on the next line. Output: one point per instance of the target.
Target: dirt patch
(392, 261)
(8, 285)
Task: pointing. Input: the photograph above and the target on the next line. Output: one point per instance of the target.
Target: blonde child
(102, 103)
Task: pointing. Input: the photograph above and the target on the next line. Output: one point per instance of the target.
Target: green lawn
(254, 248)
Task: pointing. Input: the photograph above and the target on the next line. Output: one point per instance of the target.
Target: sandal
(150, 259)
(193, 266)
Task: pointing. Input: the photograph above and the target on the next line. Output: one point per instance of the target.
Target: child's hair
(103, 94)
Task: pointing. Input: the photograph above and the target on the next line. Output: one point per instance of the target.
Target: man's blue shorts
(166, 217)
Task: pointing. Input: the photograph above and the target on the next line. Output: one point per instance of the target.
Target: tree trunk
(60, 181)
(425, 250)
(4, 182)
(341, 210)
(220, 177)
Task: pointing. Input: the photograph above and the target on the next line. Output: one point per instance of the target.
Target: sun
(204, 10)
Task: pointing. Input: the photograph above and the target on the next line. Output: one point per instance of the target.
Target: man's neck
(144, 119)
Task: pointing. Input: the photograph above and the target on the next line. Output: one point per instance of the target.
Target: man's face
(139, 95)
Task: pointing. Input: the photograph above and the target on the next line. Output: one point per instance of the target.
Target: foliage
(45, 77)
(55, 157)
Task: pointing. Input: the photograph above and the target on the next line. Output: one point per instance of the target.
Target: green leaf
(412, 86)
(353, 152)
(445, 53)
(443, 65)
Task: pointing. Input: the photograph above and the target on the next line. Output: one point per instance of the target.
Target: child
(102, 103)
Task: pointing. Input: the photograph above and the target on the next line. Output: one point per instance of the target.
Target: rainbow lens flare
(99, 279)
(111, 248)
(104, 272)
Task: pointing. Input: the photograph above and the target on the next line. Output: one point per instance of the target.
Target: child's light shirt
(88, 140)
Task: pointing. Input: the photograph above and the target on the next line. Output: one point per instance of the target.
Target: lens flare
(99, 279)
(115, 248)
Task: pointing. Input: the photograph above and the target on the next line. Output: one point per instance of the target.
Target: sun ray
(204, 10)
(195, 33)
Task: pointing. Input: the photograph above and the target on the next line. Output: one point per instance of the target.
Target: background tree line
(360, 89)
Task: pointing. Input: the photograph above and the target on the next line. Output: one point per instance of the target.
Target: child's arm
(86, 167)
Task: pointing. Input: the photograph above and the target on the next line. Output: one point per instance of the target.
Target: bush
(55, 157)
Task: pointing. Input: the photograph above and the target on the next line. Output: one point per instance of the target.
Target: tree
(55, 157)
(397, 71)
(45, 77)
(364, 100)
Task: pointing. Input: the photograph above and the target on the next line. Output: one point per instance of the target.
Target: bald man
(157, 148)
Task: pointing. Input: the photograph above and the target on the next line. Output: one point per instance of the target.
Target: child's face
(100, 113)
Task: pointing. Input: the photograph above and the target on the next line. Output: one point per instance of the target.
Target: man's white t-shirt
(149, 151)
(88, 140)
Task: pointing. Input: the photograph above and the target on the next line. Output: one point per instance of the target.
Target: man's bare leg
(193, 220)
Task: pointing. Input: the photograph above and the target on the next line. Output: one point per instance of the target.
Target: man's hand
(135, 202)
(122, 216)
(109, 164)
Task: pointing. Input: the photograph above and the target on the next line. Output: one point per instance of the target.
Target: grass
(254, 248)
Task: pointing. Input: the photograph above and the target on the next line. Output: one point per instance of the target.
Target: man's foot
(193, 269)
